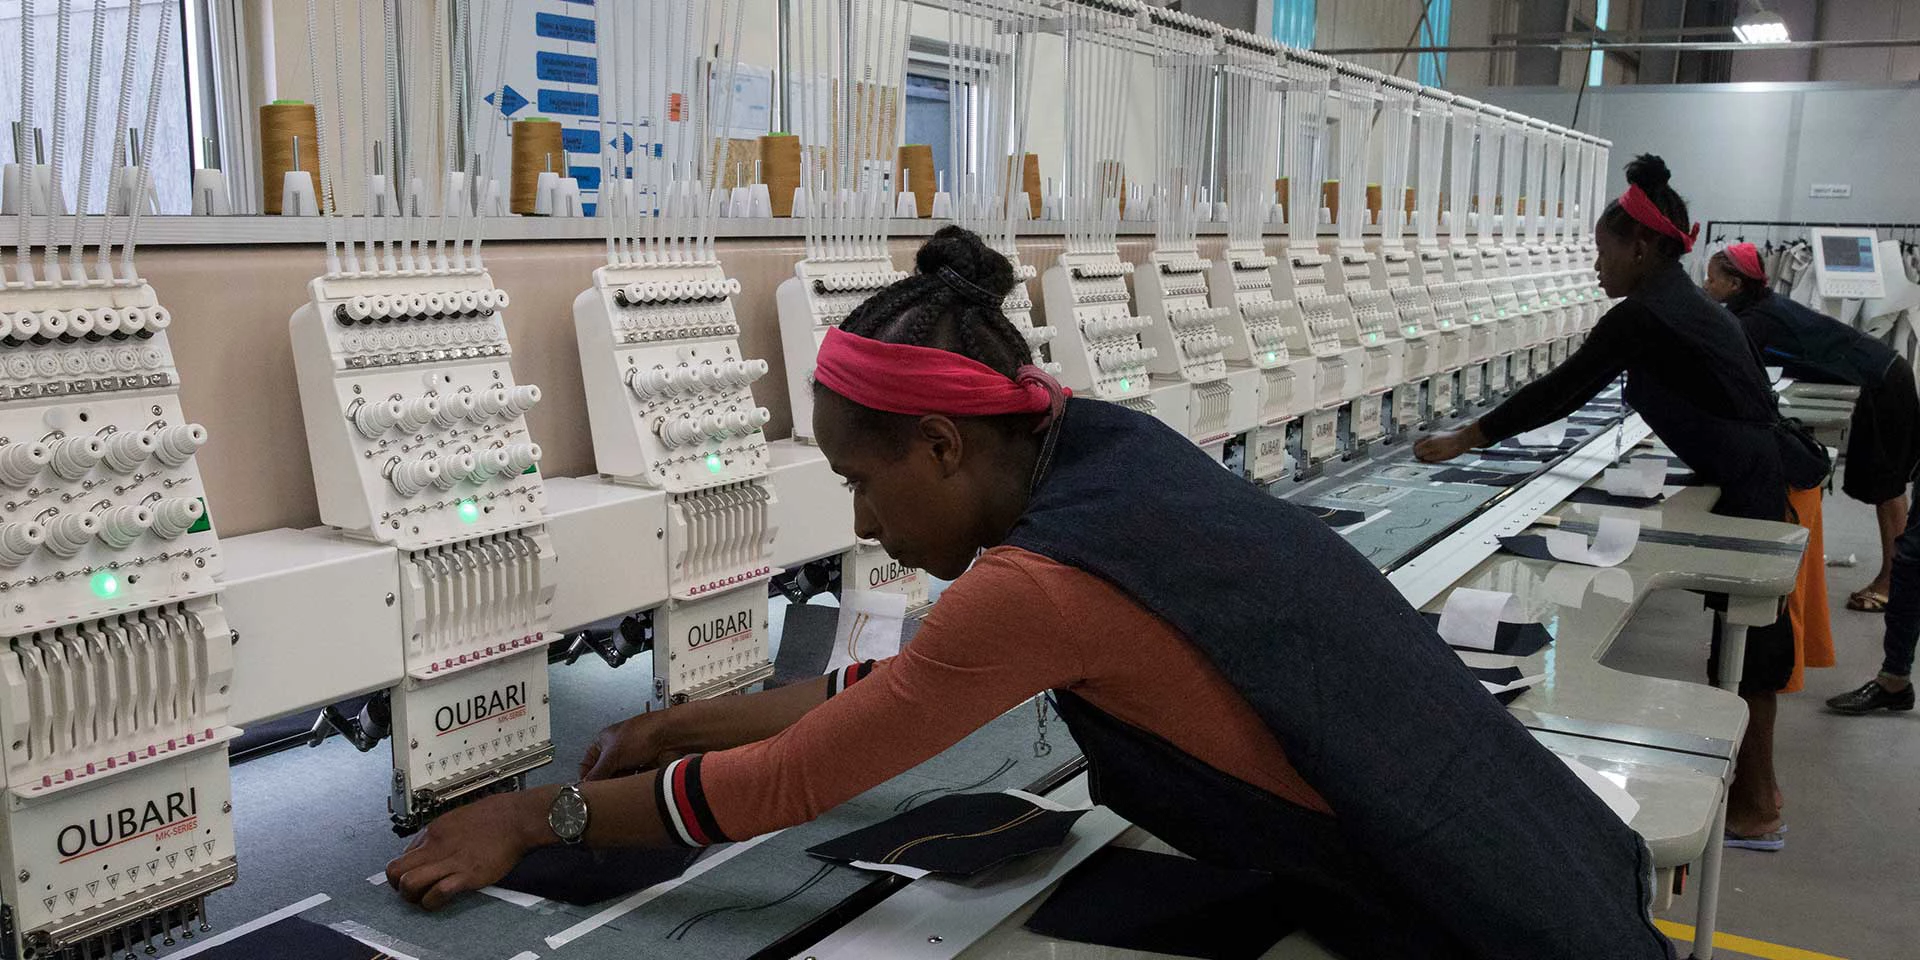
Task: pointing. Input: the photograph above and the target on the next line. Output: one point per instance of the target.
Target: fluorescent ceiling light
(1760, 26)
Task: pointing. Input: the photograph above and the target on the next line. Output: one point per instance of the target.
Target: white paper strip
(1612, 543)
(1613, 794)
(1472, 617)
(1637, 478)
(1520, 684)
(1550, 435)
(869, 628)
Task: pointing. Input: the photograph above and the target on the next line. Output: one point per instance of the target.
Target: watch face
(568, 815)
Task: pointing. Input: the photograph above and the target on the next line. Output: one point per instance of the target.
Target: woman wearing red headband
(1699, 384)
(1883, 446)
(1244, 684)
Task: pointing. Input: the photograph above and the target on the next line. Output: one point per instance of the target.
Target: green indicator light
(469, 511)
(713, 463)
(1371, 337)
(1271, 357)
(1503, 311)
(1126, 385)
(105, 584)
(1475, 318)
(1413, 328)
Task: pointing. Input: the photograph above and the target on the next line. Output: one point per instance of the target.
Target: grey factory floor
(1847, 883)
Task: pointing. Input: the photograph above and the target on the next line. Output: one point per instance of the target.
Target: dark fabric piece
(1691, 373)
(1500, 675)
(1883, 442)
(1809, 345)
(583, 877)
(960, 834)
(1485, 478)
(1530, 545)
(806, 644)
(1686, 478)
(1338, 890)
(1153, 902)
(1336, 518)
(1601, 497)
(294, 939)
(1429, 777)
(1509, 639)
(1535, 454)
(1903, 599)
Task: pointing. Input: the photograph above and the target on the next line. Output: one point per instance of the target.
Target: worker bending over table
(1697, 382)
(1883, 439)
(1243, 683)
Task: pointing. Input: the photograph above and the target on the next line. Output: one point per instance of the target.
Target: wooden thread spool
(1330, 199)
(1286, 202)
(916, 162)
(537, 148)
(1409, 205)
(1030, 182)
(280, 122)
(780, 168)
(1375, 203)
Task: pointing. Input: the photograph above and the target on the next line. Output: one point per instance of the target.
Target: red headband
(918, 381)
(1640, 208)
(1745, 258)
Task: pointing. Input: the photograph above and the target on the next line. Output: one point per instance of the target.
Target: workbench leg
(1706, 910)
(1733, 653)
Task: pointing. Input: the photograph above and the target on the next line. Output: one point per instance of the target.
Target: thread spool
(1375, 202)
(1330, 198)
(537, 148)
(780, 170)
(280, 122)
(1286, 202)
(1030, 182)
(917, 160)
(1408, 210)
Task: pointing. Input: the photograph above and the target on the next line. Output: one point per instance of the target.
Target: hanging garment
(1324, 618)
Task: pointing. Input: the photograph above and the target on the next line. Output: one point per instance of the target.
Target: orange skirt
(1807, 605)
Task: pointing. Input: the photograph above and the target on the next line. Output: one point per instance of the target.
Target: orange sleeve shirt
(1013, 626)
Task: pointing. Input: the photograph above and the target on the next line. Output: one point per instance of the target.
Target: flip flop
(1770, 842)
(1867, 601)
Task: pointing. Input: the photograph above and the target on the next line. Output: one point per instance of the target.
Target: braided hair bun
(962, 251)
(1649, 172)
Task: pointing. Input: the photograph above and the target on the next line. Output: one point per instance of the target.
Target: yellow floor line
(1745, 945)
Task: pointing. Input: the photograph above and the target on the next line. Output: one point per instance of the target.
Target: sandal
(1867, 601)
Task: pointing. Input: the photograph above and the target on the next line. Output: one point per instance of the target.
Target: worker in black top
(1699, 384)
(1883, 446)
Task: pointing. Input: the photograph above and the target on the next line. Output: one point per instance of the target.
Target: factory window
(932, 104)
(1597, 61)
(171, 153)
(1435, 29)
(1293, 22)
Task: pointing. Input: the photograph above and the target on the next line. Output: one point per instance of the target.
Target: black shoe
(1870, 697)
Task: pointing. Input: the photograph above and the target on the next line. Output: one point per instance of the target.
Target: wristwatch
(567, 815)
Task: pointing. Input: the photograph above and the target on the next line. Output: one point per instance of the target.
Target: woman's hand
(630, 746)
(1438, 447)
(470, 847)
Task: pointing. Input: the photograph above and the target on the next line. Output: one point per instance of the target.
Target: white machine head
(1846, 263)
